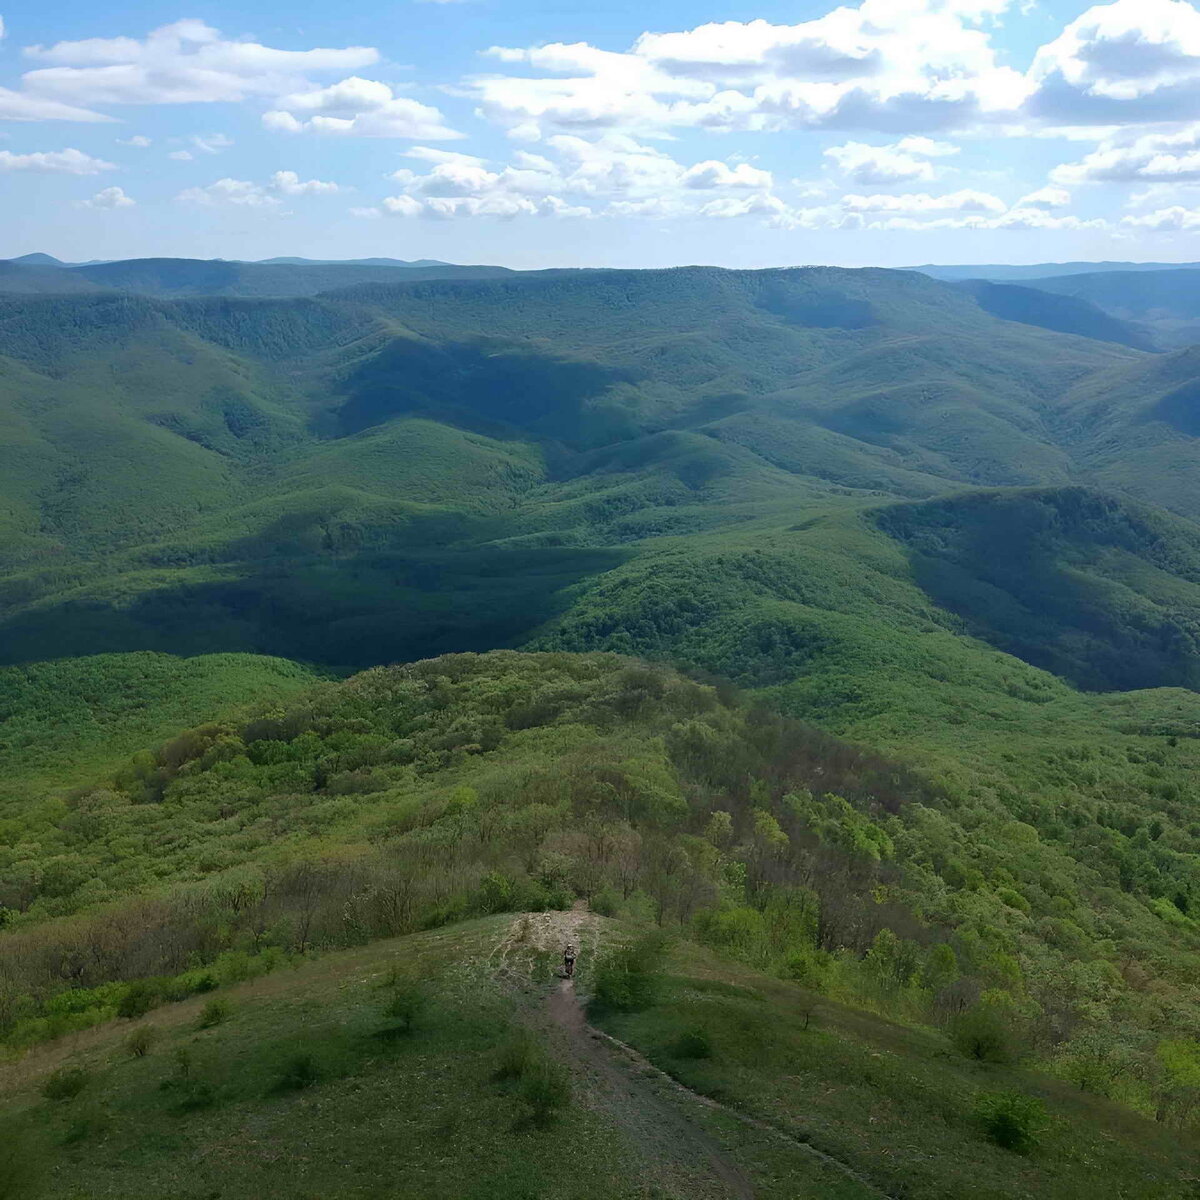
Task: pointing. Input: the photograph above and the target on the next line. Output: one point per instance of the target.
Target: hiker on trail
(569, 961)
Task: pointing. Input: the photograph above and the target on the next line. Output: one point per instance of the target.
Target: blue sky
(545, 133)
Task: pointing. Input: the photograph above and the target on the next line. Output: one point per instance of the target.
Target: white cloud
(900, 65)
(181, 155)
(1158, 157)
(1045, 198)
(243, 193)
(358, 107)
(239, 193)
(1133, 60)
(906, 159)
(211, 143)
(290, 184)
(18, 106)
(613, 173)
(65, 162)
(966, 200)
(137, 140)
(110, 197)
(187, 62)
(1176, 219)
(714, 174)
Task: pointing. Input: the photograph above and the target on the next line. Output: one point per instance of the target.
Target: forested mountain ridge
(966, 544)
(377, 434)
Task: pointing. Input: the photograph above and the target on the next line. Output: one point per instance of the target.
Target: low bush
(987, 1033)
(404, 1005)
(1011, 1120)
(214, 1013)
(138, 1000)
(298, 1073)
(693, 1043)
(138, 1043)
(515, 1056)
(66, 1083)
(545, 1091)
(629, 978)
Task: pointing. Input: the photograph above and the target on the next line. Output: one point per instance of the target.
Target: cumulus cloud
(186, 62)
(1045, 198)
(290, 184)
(906, 159)
(243, 193)
(237, 193)
(1175, 219)
(181, 155)
(1172, 157)
(1130, 60)
(110, 197)
(885, 65)
(137, 140)
(357, 107)
(966, 200)
(577, 176)
(63, 162)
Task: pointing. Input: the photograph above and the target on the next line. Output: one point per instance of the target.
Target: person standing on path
(569, 961)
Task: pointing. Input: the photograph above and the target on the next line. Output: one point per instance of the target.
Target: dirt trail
(651, 1121)
(641, 1099)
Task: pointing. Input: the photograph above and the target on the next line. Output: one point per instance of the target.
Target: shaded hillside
(1103, 594)
(1166, 302)
(319, 477)
(1064, 314)
(35, 278)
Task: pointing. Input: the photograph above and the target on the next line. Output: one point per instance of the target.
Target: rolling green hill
(891, 512)
(880, 949)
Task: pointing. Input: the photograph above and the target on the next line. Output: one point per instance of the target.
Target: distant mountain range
(40, 274)
(1005, 271)
(48, 260)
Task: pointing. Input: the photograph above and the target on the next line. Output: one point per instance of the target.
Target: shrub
(629, 978)
(404, 1005)
(138, 1043)
(515, 1056)
(606, 902)
(985, 1033)
(190, 1090)
(137, 1001)
(1011, 1120)
(693, 1043)
(298, 1073)
(214, 1012)
(545, 1090)
(66, 1083)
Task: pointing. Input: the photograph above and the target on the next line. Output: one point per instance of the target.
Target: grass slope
(298, 1084)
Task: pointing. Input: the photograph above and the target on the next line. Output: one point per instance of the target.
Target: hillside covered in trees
(843, 625)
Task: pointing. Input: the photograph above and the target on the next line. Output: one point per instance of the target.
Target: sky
(539, 133)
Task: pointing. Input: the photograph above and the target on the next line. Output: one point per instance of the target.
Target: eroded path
(680, 1157)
